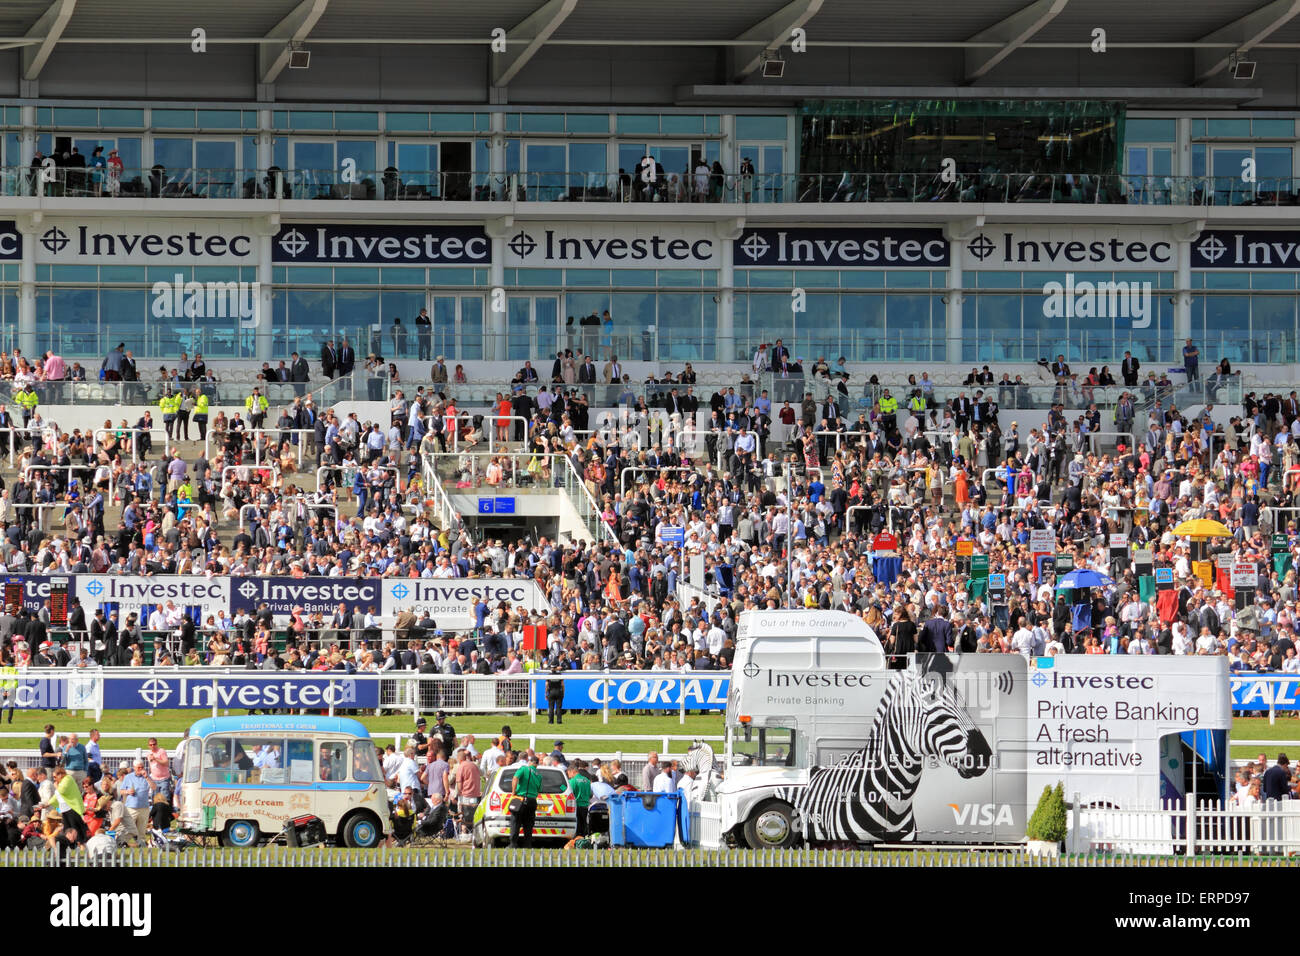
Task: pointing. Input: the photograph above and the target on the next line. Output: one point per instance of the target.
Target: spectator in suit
(328, 359)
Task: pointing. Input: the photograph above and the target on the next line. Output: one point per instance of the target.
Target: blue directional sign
(673, 535)
(505, 506)
(485, 506)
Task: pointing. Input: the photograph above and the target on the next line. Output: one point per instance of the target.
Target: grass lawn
(482, 727)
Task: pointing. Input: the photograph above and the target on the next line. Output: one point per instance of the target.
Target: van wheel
(480, 837)
(771, 826)
(240, 833)
(361, 832)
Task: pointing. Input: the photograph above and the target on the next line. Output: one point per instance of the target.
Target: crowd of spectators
(781, 498)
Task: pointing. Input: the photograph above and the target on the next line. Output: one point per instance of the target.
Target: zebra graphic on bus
(867, 797)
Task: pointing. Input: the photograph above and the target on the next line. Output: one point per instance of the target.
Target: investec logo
(655, 248)
(207, 300)
(981, 814)
(148, 244)
(281, 591)
(158, 692)
(190, 590)
(1098, 300)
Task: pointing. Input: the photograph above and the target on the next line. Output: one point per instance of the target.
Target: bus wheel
(240, 833)
(361, 832)
(771, 826)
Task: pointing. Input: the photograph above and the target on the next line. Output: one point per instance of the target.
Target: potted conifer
(1047, 826)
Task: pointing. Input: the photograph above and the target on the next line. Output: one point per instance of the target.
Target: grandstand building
(919, 184)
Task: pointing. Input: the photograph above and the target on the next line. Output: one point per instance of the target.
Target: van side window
(299, 757)
(333, 762)
(217, 765)
(365, 762)
(267, 756)
(767, 747)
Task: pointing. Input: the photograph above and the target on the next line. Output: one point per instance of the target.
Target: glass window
(1284, 128)
(1198, 128)
(587, 277)
(543, 122)
(311, 119)
(176, 155)
(365, 762)
(406, 122)
(267, 756)
(587, 122)
(546, 173)
(587, 163)
(172, 119)
(218, 761)
(361, 152)
(678, 124)
(1237, 128)
(637, 123)
(863, 279)
(633, 278)
(1151, 130)
(220, 119)
(471, 327)
(349, 120)
(768, 747)
(681, 329)
(761, 127)
(79, 117)
(401, 276)
(298, 756)
(820, 278)
(452, 122)
(679, 278)
(333, 763)
(1273, 168)
(863, 327)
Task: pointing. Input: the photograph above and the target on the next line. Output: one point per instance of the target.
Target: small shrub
(1048, 822)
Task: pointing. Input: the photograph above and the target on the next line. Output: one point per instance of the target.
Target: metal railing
(629, 185)
(585, 503)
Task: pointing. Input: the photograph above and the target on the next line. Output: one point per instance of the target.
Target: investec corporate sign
(450, 601)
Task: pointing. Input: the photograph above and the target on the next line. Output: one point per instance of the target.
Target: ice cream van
(244, 778)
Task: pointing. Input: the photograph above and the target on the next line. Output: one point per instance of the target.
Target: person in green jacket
(580, 787)
(201, 413)
(67, 794)
(527, 784)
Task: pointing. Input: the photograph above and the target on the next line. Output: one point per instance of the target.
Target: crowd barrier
(137, 688)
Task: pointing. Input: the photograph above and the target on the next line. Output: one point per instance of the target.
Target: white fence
(1206, 828)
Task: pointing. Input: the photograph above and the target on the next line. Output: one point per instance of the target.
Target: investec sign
(282, 595)
(130, 593)
(613, 246)
(394, 244)
(137, 693)
(137, 242)
(1246, 249)
(1066, 248)
(450, 601)
(883, 248)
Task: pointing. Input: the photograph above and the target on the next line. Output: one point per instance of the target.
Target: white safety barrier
(1200, 827)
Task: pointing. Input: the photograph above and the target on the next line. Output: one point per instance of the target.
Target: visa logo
(982, 814)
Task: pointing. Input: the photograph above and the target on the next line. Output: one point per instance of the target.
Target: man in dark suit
(936, 635)
(299, 374)
(1129, 370)
(1059, 368)
(1277, 780)
(587, 373)
(557, 369)
(328, 359)
(347, 359)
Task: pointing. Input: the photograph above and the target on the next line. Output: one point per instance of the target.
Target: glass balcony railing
(393, 184)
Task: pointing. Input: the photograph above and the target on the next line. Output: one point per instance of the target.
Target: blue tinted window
(761, 127)
(173, 119)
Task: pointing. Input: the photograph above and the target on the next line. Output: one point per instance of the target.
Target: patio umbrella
(1203, 528)
(1083, 578)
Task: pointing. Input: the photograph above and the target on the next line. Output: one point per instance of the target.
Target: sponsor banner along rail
(449, 601)
(652, 691)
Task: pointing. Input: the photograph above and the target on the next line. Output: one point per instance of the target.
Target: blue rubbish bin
(642, 818)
